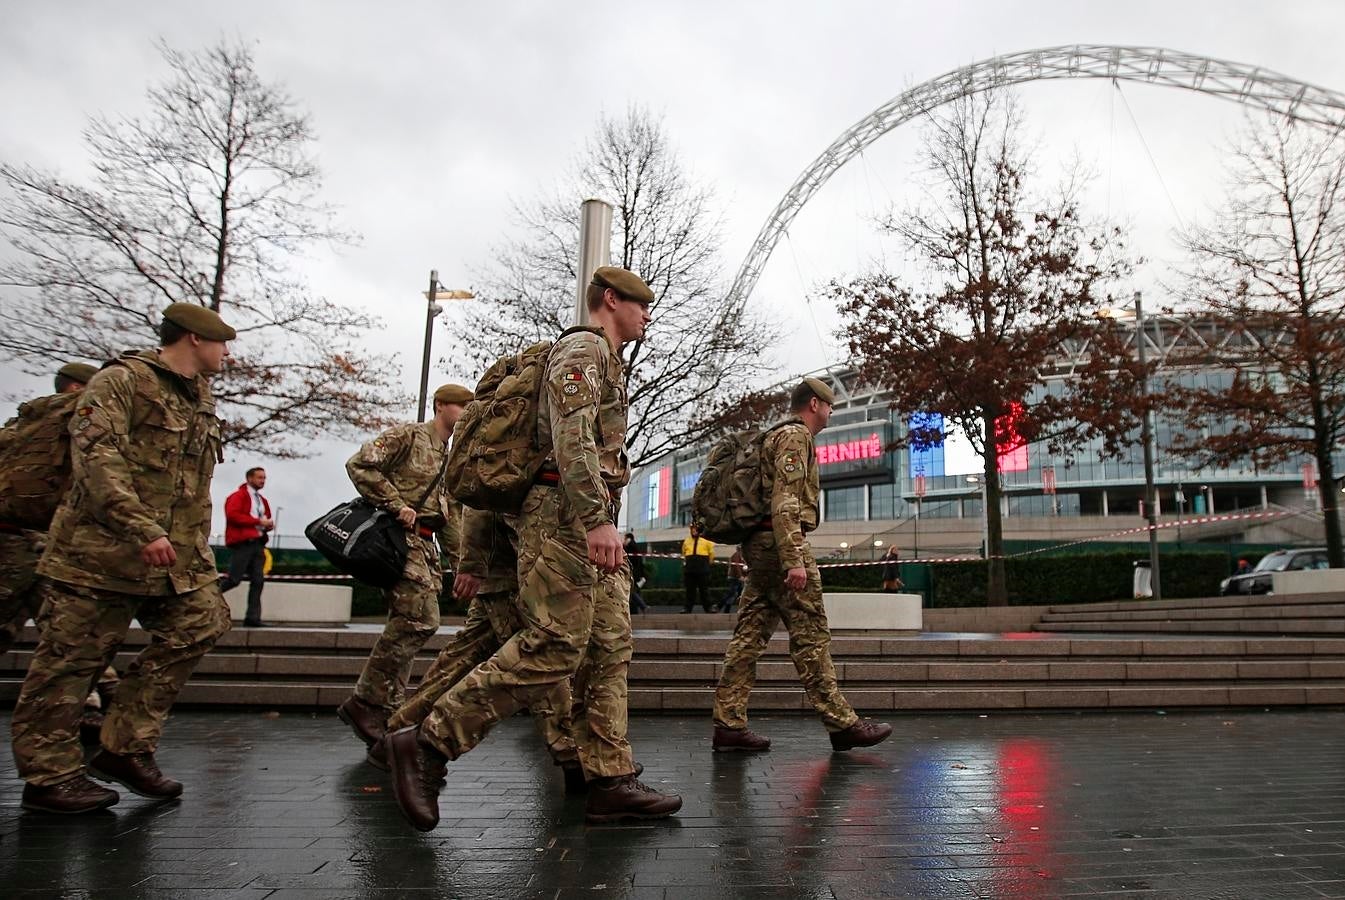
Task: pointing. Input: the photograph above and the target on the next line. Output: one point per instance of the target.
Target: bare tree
(1270, 268)
(1013, 281)
(664, 229)
(202, 200)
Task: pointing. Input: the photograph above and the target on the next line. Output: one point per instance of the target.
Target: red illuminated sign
(870, 447)
(1012, 447)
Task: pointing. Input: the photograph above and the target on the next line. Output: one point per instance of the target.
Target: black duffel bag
(365, 542)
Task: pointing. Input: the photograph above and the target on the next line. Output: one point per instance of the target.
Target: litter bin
(1144, 584)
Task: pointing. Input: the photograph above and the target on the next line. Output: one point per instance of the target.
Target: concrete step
(1254, 600)
(1287, 610)
(865, 699)
(1324, 627)
(316, 668)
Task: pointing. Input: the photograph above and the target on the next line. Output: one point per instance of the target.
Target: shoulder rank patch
(85, 410)
(576, 375)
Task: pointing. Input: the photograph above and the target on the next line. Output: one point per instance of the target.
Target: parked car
(1258, 580)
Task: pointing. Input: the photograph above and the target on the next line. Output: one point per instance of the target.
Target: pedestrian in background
(247, 527)
(697, 554)
(637, 577)
(737, 574)
(892, 582)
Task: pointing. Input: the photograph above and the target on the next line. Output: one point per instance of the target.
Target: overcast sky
(433, 117)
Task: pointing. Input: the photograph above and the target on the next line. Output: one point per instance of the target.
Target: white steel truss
(1249, 85)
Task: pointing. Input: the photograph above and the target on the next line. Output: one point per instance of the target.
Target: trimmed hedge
(1093, 577)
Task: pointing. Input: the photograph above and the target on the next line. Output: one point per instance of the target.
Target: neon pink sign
(870, 447)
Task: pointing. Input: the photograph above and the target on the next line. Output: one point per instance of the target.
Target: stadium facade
(924, 501)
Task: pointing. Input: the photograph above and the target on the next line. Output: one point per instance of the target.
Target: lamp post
(1147, 438)
(985, 515)
(435, 293)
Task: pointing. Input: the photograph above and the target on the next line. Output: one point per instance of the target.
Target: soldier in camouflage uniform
(129, 540)
(41, 427)
(30, 443)
(783, 583)
(401, 471)
(574, 583)
(487, 576)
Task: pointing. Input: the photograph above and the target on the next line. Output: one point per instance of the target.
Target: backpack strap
(443, 465)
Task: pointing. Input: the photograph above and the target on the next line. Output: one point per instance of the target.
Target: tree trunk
(1330, 497)
(996, 583)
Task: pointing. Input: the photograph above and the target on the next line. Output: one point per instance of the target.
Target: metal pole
(985, 520)
(429, 332)
(595, 249)
(1147, 437)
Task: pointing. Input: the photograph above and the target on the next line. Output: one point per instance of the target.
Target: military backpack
(497, 452)
(35, 461)
(730, 500)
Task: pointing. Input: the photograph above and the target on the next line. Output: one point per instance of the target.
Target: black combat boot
(864, 733)
(418, 773)
(137, 772)
(369, 722)
(78, 795)
(738, 739)
(624, 797)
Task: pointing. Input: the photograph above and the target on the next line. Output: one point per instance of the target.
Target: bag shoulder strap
(438, 477)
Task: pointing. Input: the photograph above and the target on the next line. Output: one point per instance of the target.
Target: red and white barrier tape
(1180, 523)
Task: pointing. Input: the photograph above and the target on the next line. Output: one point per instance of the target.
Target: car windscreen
(1273, 562)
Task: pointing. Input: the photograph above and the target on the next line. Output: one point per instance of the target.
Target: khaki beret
(821, 389)
(80, 372)
(200, 321)
(453, 393)
(624, 282)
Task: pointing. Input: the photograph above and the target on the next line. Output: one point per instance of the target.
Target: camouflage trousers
(492, 619)
(765, 603)
(21, 594)
(413, 618)
(576, 624)
(81, 629)
(20, 586)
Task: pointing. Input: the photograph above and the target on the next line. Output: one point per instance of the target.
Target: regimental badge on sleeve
(576, 390)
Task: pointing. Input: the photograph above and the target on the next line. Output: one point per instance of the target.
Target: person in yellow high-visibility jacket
(697, 554)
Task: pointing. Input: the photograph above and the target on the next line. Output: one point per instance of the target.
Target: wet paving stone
(1142, 805)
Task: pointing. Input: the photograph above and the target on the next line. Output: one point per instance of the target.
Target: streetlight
(435, 293)
(985, 516)
(1147, 439)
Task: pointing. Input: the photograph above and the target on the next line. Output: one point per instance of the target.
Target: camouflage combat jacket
(489, 550)
(583, 419)
(790, 477)
(395, 470)
(144, 442)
